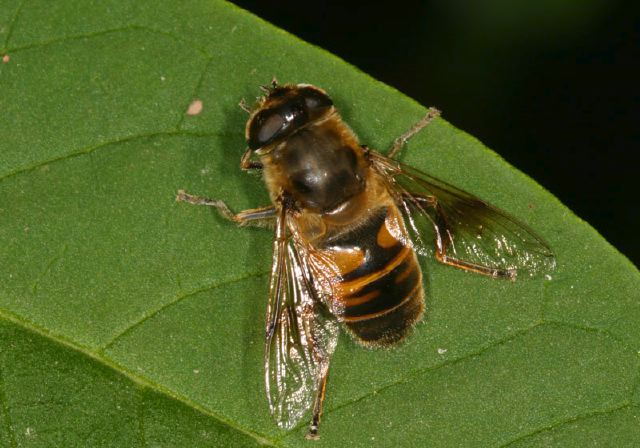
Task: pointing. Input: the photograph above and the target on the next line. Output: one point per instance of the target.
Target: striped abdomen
(380, 292)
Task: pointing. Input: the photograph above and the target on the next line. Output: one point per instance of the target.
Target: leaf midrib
(144, 382)
(140, 380)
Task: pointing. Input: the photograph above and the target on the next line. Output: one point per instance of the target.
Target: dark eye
(299, 106)
(271, 124)
(315, 101)
(293, 112)
(264, 127)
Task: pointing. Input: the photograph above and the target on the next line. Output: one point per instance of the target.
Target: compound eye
(269, 127)
(265, 127)
(316, 102)
(272, 124)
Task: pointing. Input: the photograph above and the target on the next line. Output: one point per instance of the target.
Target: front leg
(247, 164)
(432, 113)
(259, 217)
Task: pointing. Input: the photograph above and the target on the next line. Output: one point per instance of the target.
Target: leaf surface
(129, 320)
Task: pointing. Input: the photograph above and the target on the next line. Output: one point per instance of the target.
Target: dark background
(551, 85)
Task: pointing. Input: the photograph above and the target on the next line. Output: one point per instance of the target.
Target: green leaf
(127, 319)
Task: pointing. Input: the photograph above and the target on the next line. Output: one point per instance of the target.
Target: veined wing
(466, 228)
(301, 333)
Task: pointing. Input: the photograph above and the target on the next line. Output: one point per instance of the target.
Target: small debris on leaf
(195, 107)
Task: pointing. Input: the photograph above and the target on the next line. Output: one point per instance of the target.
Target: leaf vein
(545, 301)
(195, 92)
(448, 363)
(136, 378)
(12, 24)
(53, 261)
(589, 329)
(130, 27)
(92, 148)
(476, 353)
(587, 415)
(179, 298)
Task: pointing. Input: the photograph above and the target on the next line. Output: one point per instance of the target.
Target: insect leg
(268, 88)
(398, 143)
(247, 164)
(243, 105)
(444, 240)
(317, 407)
(256, 216)
(509, 274)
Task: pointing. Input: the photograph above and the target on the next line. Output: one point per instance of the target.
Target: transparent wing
(301, 333)
(465, 227)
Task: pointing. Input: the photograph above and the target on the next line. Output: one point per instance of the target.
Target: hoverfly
(349, 222)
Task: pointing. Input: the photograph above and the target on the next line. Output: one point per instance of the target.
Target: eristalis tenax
(348, 224)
